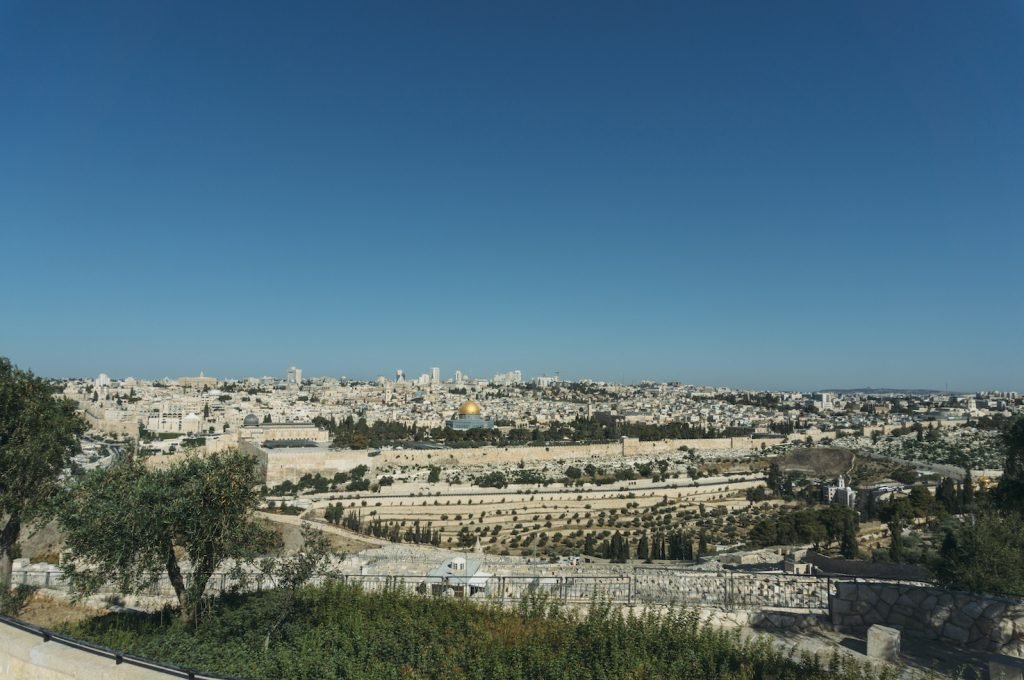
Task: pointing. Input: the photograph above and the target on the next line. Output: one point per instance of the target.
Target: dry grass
(51, 612)
(819, 462)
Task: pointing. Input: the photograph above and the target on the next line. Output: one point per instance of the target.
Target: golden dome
(469, 408)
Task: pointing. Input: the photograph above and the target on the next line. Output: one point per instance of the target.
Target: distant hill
(820, 462)
(882, 390)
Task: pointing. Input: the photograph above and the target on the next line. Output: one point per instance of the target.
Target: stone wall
(577, 452)
(26, 656)
(962, 619)
(868, 568)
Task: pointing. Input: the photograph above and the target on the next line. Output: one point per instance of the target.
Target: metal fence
(116, 657)
(724, 589)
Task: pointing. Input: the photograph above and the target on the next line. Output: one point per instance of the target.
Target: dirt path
(341, 539)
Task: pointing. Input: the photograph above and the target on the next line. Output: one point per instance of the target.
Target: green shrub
(340, 631)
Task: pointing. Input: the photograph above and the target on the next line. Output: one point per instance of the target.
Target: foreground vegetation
(341, 631)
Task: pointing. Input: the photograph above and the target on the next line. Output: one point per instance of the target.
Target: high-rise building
(435, 375)
(294, 376)
(399, 376)
(458, 377)
(509, 378)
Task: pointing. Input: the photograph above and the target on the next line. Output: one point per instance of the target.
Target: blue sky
(780, 195)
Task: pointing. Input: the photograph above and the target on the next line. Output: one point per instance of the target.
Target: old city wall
(962, 619)
(292, 465)
(96, 419)
(576, 453)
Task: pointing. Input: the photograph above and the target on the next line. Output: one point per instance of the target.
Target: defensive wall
(291, 464)
(96, 419)
(628, 446)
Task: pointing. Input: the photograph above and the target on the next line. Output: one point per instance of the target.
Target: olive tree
(38, 436)
(1009, 495)
(130, 524)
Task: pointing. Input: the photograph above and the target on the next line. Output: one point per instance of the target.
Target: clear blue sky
(782, 195)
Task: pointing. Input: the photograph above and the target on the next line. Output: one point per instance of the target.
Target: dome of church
(469, 408)
(251, 421)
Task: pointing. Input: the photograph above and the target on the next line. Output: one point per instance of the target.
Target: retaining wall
(973, 621)
(27, 656)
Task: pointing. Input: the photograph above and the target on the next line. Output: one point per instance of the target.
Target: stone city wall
(974, 621)
(96, 420)
(575, 452)
(292, 465)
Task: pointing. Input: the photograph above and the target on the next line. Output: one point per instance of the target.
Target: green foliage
(12, 601)
(494, 479)
(38, 436)
(128, 523)
(396, 532)
(820, 527)
(341, 631)
(984, 553)
(530, 477)
(357, 434)
(287, 574)
(618, 548)
(1010, 492)
(434, 475)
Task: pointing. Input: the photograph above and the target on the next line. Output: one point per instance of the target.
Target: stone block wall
(962, 619)
(25, 656)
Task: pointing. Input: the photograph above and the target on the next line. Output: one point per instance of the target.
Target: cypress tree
(643, 549)
(967, 499)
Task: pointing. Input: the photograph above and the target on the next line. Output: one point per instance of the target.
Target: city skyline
(731, 195)
(457, 377)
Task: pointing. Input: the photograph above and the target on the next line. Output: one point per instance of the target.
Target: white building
(841, 494)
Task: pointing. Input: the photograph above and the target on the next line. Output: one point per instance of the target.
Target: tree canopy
(1010, 492)
(38, 436)
(984, 554)
(129, 523)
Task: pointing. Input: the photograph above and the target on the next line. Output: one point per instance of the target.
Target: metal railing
(117, 657)
(645, 585)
